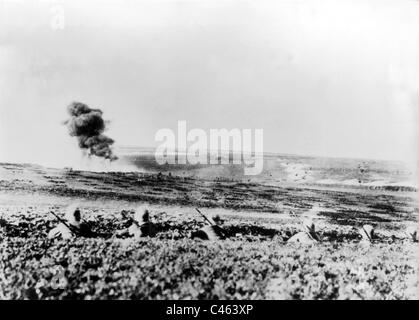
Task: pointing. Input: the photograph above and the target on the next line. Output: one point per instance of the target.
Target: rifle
(69, 227)
(205, 217)
(221, 230)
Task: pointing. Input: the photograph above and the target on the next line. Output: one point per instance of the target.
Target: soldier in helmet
(141, 225)
(412, 233)
(212, 232)
(367, 234)
(308, 235)
(71, 226)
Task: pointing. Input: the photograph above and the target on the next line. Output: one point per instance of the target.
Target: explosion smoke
(88, 125)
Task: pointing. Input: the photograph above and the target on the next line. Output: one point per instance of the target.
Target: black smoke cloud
(88, 126)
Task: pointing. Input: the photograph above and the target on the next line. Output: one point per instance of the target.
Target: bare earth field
(261, 213)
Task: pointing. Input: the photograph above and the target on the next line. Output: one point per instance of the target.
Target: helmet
(73, 214)
(142, 214)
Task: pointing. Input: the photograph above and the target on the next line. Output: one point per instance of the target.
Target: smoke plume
(88, 126)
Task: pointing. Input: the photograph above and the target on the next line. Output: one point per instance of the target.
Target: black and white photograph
(209, 150)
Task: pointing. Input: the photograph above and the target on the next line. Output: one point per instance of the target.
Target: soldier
(71, 226)
(367, 234)
(307, 236)
(3, 225)
(412, 233)
(141, 225)
(212, 232)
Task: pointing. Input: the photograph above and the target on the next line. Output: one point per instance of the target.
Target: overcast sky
(329, 78)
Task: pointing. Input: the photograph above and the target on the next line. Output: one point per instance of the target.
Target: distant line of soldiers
(309, 234)
(72, 225)
(141, 226)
